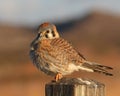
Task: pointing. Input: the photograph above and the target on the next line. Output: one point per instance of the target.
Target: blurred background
(92, 26)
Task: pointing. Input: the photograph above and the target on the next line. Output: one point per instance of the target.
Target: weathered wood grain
(74, 87)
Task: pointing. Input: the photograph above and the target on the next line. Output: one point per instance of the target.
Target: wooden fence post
(74, 87)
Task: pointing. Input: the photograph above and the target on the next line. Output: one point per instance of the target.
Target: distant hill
(99, 30)
(14, 44)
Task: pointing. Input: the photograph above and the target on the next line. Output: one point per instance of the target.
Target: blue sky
(31, 12)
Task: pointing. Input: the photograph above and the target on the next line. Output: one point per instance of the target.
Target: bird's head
(47, 31)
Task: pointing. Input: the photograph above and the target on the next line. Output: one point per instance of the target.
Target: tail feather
(98, 68)
(104, 72)
(105, 67)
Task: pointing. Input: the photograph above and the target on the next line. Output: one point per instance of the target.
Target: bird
(57, 57)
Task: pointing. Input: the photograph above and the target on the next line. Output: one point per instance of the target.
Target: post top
(76, 81)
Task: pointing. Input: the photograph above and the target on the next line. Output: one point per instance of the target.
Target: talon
(58, 77)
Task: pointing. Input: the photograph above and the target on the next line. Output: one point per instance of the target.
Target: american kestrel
(55, 56)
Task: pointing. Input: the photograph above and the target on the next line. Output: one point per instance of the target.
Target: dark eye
(47, 31)
(53, 33)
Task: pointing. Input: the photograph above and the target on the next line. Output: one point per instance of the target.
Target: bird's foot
(58, 76)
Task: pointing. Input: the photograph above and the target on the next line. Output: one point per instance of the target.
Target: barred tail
(98, 68)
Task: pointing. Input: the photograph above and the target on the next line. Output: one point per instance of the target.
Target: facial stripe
(46, 35)
(53, 33)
